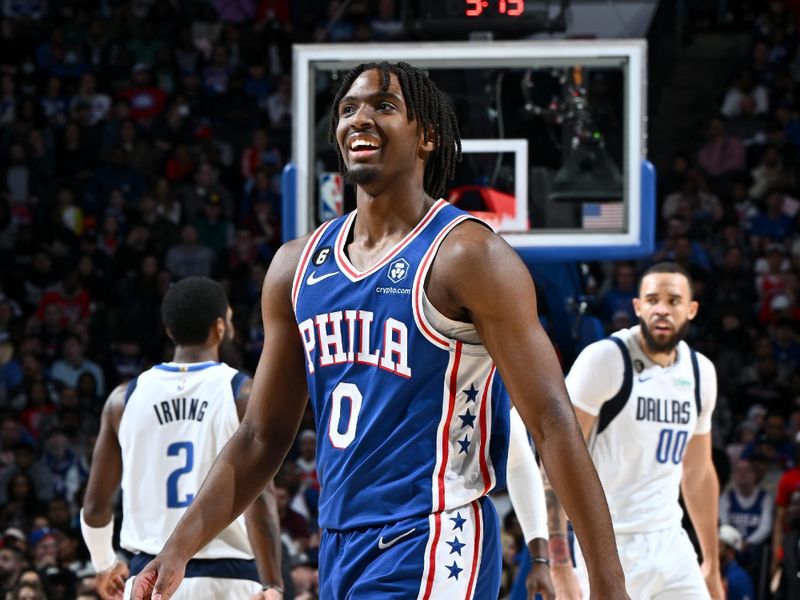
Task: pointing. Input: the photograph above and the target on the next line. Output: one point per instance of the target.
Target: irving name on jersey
(180, 409)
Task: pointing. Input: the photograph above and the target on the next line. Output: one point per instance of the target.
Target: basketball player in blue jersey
(159, 435)
(644, 401)
(397, 320)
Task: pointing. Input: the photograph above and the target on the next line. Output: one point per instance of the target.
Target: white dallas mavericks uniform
(646, 415)
(176, 420)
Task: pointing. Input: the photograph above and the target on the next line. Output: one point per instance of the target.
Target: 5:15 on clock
(509, 8)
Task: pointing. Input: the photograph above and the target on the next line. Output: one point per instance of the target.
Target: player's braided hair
(424, 102)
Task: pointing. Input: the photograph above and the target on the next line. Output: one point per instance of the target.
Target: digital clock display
(494, 8)
(453, 17)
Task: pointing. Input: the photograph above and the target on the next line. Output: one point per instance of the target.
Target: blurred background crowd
(143, 141)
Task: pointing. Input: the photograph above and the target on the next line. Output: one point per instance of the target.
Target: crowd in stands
(142, 141)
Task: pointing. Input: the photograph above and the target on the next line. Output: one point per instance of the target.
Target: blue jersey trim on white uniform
(696, 370)
(237, 381)
(218, 568)
(131, 388)
(186, 368)
(614, 406)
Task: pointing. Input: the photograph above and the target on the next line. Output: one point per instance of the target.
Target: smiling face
(378, 143)
(664, 308)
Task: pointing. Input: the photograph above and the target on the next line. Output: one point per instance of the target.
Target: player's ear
(637, 306)
(427, 139)
(693, 306)
(219, 328)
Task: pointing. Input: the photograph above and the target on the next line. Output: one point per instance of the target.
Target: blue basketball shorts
(450, 555)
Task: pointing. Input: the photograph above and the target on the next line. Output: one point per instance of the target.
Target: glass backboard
(553, 136)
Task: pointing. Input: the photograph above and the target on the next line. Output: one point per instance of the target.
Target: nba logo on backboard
(398, 270)
(331, 190)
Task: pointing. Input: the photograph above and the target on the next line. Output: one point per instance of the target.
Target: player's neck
(389, 213)
(662, 359)
(195, 354)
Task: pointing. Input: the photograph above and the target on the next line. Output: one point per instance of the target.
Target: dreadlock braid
(426, 104)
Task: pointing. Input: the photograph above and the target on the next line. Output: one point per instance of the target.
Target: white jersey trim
(354, 274)
(305, 258)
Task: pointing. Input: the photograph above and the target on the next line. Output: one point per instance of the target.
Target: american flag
(602, 215)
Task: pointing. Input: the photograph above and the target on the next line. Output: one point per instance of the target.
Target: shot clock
(520, 17)
(498, 8)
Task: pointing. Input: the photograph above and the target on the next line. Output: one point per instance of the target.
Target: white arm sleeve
(708, 394)
(596, 376)
(524, 482)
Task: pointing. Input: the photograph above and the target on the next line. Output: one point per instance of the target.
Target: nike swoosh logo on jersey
(643, 379)
(384, 545)
(312, 280)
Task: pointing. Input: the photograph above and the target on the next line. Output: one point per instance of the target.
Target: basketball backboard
(553, 138)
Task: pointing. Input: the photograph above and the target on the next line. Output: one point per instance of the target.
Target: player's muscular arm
(261, 517)
(264, 532)
(484, 280)
(98, 504)
(254, 453)
(777, 538)
(106, 473)
(699, 483)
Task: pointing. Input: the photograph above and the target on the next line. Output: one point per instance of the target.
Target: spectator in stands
(22, 505)
(770, 175)
(213, 230)
(771, 224)
(748, 508)
(27, 591)
(292, 522)
(723, 153)
(189, 257)
(71, 296)
(279, 106)
(620, 295)
(39, 412)
(788, 493)
(99, 104)
(74, 362)
(738, 584)
(60, 460)
(144, 99)
(745, 87)
(204, 187)
(11, 562)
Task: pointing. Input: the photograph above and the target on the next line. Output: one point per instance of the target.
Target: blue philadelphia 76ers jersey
(409, 422)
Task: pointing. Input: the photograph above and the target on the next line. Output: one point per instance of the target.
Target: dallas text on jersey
(180, 409)
(326, 331)
(661, 410)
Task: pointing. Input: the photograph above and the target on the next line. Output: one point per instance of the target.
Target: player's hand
(565, 583)
(159, 579)
(271, 594)
(110, 583)
(713, 581)
(539, 582)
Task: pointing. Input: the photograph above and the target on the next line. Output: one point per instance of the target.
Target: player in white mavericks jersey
(159, 436)
(644, 401)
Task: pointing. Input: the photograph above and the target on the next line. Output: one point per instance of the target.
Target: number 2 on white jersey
(173, 501)
(342, 440)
